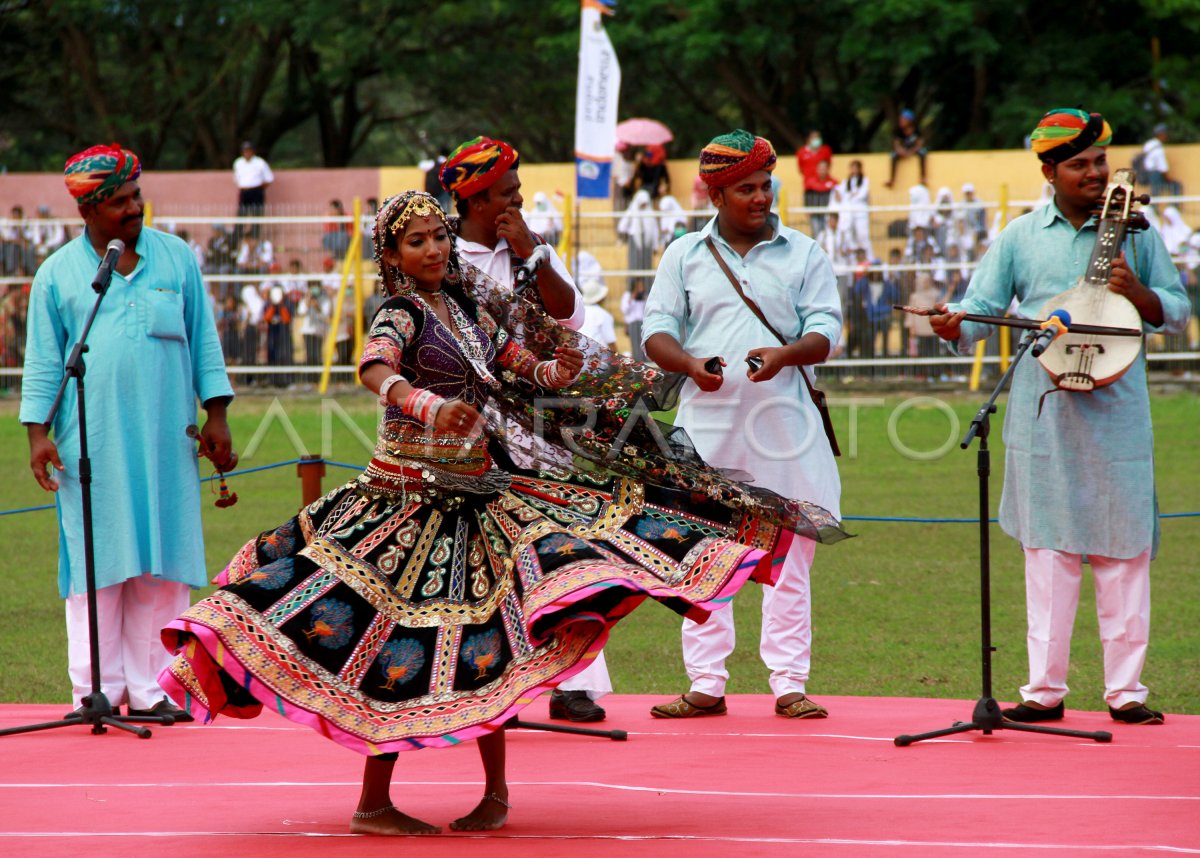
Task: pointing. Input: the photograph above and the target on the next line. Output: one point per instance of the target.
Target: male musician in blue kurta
(153, 350)
(1079, 476)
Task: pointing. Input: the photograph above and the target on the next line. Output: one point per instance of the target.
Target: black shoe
(165, 707)
(1030, 714)
(1138, 714)
(116, 710)
(574, 706)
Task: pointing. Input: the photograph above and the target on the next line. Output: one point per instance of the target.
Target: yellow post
(977, 367)
(359, 283)
(148, 214)
(352, 252)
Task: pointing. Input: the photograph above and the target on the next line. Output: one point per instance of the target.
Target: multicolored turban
(476, 165)
(1065, 132)
(732, 157)
(93, 175)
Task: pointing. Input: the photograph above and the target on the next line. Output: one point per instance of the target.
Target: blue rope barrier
(26, 509)
(884, 518)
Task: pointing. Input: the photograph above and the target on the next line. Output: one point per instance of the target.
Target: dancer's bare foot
(389, 821)
(490, 814)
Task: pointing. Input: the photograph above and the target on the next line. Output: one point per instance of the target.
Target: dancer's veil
(605, 421)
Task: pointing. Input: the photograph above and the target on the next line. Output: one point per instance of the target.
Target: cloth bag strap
(818, 396)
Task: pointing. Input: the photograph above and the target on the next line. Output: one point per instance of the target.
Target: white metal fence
(274, 280)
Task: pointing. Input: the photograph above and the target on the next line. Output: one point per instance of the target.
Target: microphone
(104, 273)
(1054, 327)
(525, 273)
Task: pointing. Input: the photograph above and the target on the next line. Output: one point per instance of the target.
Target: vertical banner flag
(596, 96)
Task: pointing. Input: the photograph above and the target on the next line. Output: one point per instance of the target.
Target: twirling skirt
(395, 614)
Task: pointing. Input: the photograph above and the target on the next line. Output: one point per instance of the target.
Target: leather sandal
(681, 707)
(802, 708)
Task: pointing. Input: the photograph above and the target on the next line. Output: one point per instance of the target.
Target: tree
(316, 83)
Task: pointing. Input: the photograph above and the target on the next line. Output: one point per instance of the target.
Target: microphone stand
(95, 709)
(615, 735)
(986, 717)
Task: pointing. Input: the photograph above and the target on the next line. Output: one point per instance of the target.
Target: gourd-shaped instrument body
(1083, 362)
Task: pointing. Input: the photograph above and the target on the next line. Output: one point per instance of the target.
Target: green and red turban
(732, 157)
(93, 175)
(476, 165)
(1065, 132)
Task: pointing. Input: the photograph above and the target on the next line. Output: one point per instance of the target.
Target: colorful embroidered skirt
(399, 612)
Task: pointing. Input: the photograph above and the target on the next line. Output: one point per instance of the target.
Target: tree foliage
(316, 83)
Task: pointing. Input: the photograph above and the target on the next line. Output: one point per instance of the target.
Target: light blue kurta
(152, 350)
(1079, 478)
(771, 430)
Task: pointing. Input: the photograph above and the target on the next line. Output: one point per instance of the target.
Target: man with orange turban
(153, 350)
(760, 420)
(1079, 469)
(481, 175)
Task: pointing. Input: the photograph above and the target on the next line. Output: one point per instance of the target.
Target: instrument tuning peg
(1137, 223)
(1142, 199)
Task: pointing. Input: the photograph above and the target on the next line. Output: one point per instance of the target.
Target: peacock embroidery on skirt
(331, 623)
(400, 661)
(274, 575)
(481, 651)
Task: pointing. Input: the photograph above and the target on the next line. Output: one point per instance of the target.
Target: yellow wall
(987, 170)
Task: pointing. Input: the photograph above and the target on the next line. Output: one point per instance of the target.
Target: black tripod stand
(986, 717)
(95, 709)
(615, 735)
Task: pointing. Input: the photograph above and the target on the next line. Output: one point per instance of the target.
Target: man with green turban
(760, 420)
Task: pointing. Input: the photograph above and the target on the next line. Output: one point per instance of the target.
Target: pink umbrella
(643, 132)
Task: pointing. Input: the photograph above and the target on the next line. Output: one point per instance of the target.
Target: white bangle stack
(387, 385)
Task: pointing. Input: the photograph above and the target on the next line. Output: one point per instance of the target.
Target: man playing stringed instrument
(1079, 475)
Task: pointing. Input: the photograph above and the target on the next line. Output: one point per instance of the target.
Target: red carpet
(745, 784)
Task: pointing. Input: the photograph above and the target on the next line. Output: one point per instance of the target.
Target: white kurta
(771, 430)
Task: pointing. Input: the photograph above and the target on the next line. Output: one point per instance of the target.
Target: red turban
(476, 165)
(732, 157)
(93, 175)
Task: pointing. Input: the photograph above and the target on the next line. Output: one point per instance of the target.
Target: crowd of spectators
(274, 314)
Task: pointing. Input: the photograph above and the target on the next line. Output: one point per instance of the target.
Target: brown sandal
(802, 708)
(681, 707)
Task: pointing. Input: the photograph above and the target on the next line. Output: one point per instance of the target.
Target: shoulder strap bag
(818, 396)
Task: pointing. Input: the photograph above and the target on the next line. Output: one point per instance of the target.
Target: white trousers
(593, 679)
(1052, 581)
(129, 618)
(786, 641)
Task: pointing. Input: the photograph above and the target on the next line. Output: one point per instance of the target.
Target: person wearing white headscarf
(639, 229)
(943, 215)
(672, 223)
(544, 219)
(1174, 231)
(920, 208)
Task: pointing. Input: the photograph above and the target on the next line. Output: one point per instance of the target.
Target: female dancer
(429, 599)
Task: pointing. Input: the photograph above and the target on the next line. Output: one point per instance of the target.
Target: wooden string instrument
(1082, 360)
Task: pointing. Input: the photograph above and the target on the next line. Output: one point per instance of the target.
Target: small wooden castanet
(225, 498)
(1013, 322)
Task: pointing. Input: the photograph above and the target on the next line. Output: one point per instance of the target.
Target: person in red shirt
(817, 183)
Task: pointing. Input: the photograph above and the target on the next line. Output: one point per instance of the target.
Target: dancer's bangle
(422, 404)
(552, 374)
(386, 386)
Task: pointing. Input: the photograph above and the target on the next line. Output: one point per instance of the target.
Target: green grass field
(896, 610)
